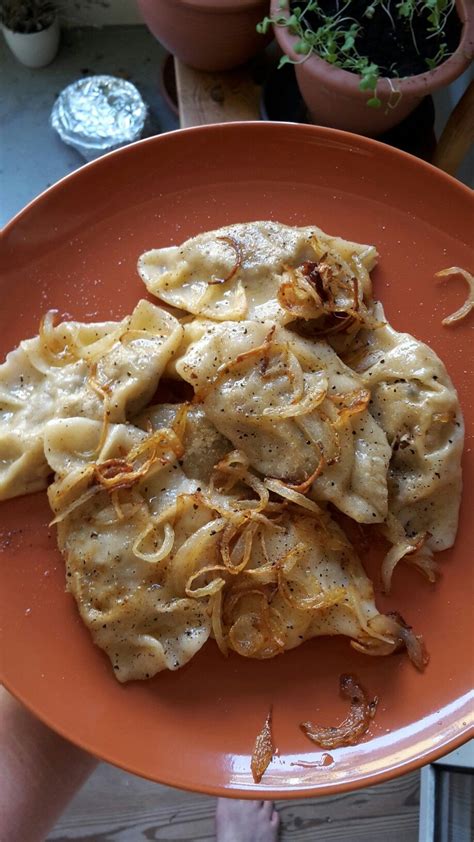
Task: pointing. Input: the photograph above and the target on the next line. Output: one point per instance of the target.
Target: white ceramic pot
(34, 49)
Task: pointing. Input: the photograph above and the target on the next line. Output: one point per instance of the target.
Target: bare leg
(246, 821)
(39, 773)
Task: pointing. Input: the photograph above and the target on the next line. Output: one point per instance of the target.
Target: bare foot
(246, 821)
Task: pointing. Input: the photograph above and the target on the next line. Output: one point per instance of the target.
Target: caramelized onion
(264, 750)
(397, 634)
(230, 532)
(260, 351)
(248, 635)
(237, 248)
(46, 332)
(330, 289)
(424, 562)
(254, 634)
(296, 297)
(313, 272)
(361, 359)
(61, 351)
(58, 351)
(286, 587)
(416, 554)
(117, 473)
(468, 305)
(102, 391)
(161, 552)
(324, 599)
(308, 402)
(414, 643)
(302, 487)
(115, 500)
(203, 544)
(339, 323)
(75, 504)
(353, 728)
(216, 622)
(236, 311)
(234, 468)
(307, 391)
(212, 587)
(350, 403)
(279, 487)
(326, 760)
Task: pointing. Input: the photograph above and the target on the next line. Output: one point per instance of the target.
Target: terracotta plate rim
(259, 125)
(390, 772)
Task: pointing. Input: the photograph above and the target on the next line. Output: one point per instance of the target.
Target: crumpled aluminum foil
(98, 114)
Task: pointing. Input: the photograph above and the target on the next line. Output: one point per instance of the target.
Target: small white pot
(34, 49)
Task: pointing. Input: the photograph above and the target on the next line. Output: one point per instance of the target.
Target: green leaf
(374, 102)
(406, 8)
(284, 60)
(349, 42)
(302, 48)
(372, 68)
(368, 83)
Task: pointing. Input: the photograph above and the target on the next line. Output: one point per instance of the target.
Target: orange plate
(75, 248)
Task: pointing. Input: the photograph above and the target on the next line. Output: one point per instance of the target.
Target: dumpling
(203, 445)
(416, 404)
(296, 411)
(107, 370)
(158, 562)
(285, 572)
(120, 522)
(303, 580)
(236, 272)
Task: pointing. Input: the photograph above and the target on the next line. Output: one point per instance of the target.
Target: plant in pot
(31, 30)
(364, 65)
(207, 34)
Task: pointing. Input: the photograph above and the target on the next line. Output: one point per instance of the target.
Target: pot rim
(53, 23)
(219, 6)
(421, 84)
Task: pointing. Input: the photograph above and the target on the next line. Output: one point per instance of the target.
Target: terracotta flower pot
(333, 96)
(207, 34)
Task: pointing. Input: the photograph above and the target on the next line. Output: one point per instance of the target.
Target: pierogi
(220, 512)
(74, 369)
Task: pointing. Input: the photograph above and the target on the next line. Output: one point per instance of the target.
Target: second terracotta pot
(333, 96)
(207, 34)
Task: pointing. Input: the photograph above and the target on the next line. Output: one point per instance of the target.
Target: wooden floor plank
(117, 807)
(215, 97)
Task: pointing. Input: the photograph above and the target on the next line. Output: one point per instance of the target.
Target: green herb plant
(335, 38)
(27, 16)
